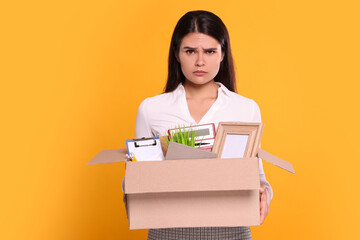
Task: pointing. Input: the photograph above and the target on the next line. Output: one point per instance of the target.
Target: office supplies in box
(191, 192)
(202, 191)
(204, 134)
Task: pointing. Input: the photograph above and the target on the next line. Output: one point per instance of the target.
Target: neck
(195, 91)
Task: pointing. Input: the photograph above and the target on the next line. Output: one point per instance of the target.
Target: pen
(200, 144)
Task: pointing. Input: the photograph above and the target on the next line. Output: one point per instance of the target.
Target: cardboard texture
(109, 156)
(275, 160)
(181, 151)
(196, 190)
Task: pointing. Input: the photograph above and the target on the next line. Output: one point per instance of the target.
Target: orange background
(74, 72)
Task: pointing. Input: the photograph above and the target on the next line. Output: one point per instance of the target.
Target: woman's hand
(264, 207)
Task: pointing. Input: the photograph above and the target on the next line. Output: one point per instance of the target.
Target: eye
(190, 51)
(210, 52)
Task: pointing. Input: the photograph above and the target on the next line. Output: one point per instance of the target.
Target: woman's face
(200, 57)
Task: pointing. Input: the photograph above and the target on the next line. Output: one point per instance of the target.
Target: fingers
(262, 210)
(263, 204)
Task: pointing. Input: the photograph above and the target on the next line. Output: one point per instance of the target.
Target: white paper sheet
(145, 150)
(235, 145)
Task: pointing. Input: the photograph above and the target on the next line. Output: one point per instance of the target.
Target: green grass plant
(186, 137)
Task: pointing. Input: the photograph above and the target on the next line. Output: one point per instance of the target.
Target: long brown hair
(209, 24)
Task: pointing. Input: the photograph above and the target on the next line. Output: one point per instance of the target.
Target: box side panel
(192, 175)
(194, 209)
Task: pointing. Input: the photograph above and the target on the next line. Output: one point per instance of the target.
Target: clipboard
(145, 149)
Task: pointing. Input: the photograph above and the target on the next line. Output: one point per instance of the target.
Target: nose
(200, 60)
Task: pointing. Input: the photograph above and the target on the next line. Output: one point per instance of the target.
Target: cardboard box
(195, 190)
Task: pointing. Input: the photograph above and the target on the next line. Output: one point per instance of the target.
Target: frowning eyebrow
(206, 49)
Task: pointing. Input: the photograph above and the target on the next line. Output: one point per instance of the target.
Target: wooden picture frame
(238, 139)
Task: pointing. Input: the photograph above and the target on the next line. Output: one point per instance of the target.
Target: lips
(199, 73)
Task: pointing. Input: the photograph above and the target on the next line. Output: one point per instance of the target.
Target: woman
(200, 89)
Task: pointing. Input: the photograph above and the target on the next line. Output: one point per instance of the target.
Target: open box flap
(177, 151)
(275, 160)
(109, 156)
(190, 176)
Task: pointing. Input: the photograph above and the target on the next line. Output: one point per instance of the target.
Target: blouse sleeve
(142, 127)
(257, 118)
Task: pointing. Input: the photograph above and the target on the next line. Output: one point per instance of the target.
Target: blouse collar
(180, 89)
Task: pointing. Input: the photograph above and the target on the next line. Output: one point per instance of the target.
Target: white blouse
(169, 110)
